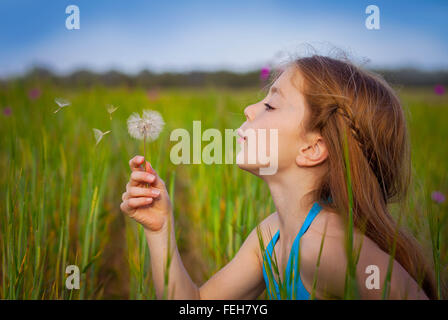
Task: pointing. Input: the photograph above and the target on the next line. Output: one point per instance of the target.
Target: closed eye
(269, 107)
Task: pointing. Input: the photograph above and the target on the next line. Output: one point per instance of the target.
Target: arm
(241, 278)
(178, 277)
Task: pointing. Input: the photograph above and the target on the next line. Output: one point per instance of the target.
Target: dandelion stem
(144, 153)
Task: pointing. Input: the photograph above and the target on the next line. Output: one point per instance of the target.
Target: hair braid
(362, 141)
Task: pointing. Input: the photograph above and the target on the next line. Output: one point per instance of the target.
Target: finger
(131, 204)
(124, 196)
(148, 168)
(135, 192)
(139, 177)
(136, 162)
(158, 183)
(134, 203)
(124, 207)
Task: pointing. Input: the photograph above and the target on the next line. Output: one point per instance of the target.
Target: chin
(254, 168)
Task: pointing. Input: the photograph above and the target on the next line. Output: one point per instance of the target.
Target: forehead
(289, 83)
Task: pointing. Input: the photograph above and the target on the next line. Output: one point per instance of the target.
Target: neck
(289, 191)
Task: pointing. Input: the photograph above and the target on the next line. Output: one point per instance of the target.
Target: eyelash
(268, 107)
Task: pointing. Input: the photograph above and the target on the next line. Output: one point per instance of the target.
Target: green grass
(60, 194)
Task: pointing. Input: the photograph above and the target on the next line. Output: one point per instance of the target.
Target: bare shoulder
(324, 242)
(326, 230)
(267, 227)
(326, 222)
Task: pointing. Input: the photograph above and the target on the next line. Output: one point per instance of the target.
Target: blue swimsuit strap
(269, 253)
(315, 209)
(293, 259)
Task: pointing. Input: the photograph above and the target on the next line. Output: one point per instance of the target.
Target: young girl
(312, 103)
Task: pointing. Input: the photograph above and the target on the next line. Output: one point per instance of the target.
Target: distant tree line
(148, 79)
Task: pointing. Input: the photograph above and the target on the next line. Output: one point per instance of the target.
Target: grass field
(60, 193)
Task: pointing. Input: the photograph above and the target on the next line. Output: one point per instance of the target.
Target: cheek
(287, 145)
(288, 138)
(280, 141)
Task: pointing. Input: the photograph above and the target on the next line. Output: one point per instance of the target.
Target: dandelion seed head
(148, 126)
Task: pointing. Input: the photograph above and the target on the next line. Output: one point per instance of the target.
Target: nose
(248, 113)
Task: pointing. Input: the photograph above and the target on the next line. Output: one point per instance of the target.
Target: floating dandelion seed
(99, 135)
(146, 128)
(61, 103)
(111, 109)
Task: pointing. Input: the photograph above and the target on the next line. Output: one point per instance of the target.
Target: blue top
(300, 293)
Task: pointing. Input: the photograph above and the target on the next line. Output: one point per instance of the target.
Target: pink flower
(438, 197)
(439, 90)
(152, 94)
(34, 93)
(7, 111)
(264, 73)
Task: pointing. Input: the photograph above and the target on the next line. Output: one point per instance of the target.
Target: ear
(312, 154)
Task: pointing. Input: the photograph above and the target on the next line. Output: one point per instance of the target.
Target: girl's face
(283, 110)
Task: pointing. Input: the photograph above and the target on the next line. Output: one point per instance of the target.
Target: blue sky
(207, 35)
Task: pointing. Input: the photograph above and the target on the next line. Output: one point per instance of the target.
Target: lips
(242, 137)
